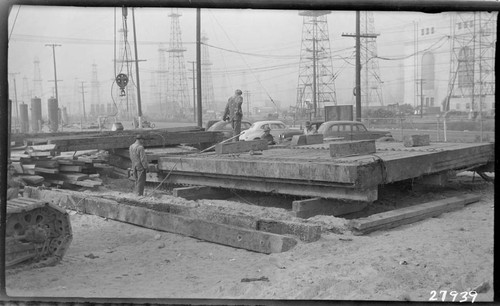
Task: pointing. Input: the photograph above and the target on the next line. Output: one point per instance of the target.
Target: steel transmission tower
(371, 84)
(178, 91)
(472, 69)
(162, 80)
(37, 80)
(206, 76)
(316, 79)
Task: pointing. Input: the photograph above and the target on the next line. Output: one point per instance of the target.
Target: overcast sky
(254, 50)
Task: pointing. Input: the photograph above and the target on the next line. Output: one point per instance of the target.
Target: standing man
(139, 163)
(233, 112)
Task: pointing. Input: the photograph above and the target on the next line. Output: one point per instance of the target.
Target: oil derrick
(178, 92)
(162, 81)
(127, 99)
(371, 84)
(472, 81)
(206, 76)
(37, 80)
(316, 79)
(95, 97)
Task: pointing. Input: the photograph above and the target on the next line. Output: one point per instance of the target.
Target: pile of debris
(43, 165)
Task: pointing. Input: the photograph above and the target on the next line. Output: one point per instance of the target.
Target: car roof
(343, 122)
(223, 123)
(268, 121)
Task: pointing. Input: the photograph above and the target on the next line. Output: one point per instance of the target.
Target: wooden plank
(416, 140)
(70, 168)
(48, 147)
(305, 232)
(72, 176)
(201, 192)
(410, 214)
(319, 206)
(33, 179)
(18, 168)
(46, 163)
(41, 153)
(28, 168)
(86, 183)
(46, 170)
(346, 148)
(241, 146)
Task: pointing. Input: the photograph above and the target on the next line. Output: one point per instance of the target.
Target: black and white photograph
(205, 152)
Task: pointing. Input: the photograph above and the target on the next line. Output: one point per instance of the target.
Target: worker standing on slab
(139, 163)
(233, 112)
(310, 129)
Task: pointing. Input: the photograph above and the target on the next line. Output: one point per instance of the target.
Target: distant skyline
(254, 50)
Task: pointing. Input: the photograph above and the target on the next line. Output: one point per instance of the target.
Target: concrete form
(310, 170)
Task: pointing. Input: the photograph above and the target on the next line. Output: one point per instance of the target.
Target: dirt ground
(110, 259)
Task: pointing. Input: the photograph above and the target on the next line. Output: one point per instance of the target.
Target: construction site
(404, 217)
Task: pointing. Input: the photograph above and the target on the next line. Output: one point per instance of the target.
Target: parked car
(257, 130)
(351, 130)
(292, 132)
(226, 128)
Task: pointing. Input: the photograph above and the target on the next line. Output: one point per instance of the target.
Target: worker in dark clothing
(139, 164)
(233, 112)
(267, 135)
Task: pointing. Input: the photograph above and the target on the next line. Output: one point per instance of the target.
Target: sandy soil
(452, 252)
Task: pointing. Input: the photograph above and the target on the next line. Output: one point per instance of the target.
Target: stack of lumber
(123, 139)
(42, 165)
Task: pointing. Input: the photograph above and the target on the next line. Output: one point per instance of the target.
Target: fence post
(437, 126)
(444, 129)
(401, 123)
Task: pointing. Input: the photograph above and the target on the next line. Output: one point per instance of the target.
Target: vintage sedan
(226, 128)
(257, 130)
(351, 130)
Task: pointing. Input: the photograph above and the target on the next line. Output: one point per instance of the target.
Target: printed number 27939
(454, 295)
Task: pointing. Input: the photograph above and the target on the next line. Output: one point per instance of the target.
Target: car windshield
(322, 128)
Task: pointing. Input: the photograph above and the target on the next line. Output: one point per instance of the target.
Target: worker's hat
(139, 136)
(267, 128)
(308, 123)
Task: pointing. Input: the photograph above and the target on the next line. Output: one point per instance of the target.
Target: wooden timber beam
(318, 206)
(261, 235)
(410, 214)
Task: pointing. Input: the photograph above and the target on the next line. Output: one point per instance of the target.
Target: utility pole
(247, 97)
(139, 109)
(55, 70)
(358, 62)
(13, 75)
(421, 81)
(194, 92)
(83, 103)
(198, 64)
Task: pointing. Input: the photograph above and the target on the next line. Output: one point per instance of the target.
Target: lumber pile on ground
(43, 165)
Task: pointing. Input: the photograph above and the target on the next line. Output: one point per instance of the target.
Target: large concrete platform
(310, 170)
